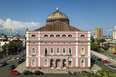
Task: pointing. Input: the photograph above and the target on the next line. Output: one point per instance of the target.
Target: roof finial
(57, 8)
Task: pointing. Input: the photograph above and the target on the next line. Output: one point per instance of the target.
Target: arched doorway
(58, 63)
(51, 63)
(64, 63)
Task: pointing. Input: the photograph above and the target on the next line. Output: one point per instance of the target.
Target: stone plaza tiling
(22, 67)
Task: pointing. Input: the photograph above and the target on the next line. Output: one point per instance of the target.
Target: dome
(57, 16)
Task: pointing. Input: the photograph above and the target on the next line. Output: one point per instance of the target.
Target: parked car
(22, 55)
(38, 73)
(26, 72)
(19, 62)
(114, 52)
(84, 72)
(74, 73)
(22, 60)
(18, 57)
(96, 57)
(25, 58)
(3, 63)
(12, 67)
(95, 71)
(99, 59)
(69, 73)
(92, 60)
(14, 72)
(105, 61)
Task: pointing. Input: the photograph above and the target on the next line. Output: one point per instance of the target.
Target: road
(101, 64)
(5, 72)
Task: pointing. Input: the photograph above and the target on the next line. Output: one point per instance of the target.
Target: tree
(4, 49)
(94, 46)
(92, 40)
(102, 73)
(101, 40)
(7, 48)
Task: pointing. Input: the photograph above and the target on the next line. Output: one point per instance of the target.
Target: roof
(57, 14)
(58, 26)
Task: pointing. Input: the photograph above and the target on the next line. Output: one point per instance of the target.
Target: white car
(95, 71)
(18, 57)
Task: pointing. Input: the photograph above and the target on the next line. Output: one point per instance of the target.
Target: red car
(14, 72)
(105, 61)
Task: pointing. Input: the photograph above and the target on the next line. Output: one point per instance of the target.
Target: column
(54, 62)
(67, 66)
(61, 64)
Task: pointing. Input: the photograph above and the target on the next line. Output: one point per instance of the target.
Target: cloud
(17, 26)
(110, 30)
(115, 28)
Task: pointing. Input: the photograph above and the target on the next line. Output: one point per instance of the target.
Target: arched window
(70, 62)
(82, 51)
(51, 35)
(82, 63)
(58, 50)
(70, 51)
(33, 62)
(63, 35)
(45, 35)
(51, 50)
(33, 35)
(64, 50)
(33, 50)
(45, 62)
(69, 35)
(82, 35)
(45, 51)
(58, 35)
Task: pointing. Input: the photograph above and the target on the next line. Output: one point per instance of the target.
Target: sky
(83, 14)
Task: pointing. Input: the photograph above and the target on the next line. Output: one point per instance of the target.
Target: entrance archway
(58, 63)
(64, 63)
(51, 63)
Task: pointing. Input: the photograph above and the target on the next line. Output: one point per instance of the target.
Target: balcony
(82, 55)
(57, 54)
(33, 54)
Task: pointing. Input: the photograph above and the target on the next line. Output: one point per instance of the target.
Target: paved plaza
(22, 67)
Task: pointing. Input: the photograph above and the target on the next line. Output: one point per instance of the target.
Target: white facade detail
(89, 62)
(76, 49)
(114, 35)
(27, 55)
(39, 49)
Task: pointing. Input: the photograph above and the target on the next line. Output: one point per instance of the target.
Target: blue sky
(83, 14)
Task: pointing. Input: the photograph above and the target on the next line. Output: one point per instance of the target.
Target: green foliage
(94, 46)
(102, 73)
(106, 48)
(7, 48)
(92, 40)
(101, 40)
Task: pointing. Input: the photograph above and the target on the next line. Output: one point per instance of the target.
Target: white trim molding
(27, 54)
(76, 49)
(39, 49)
(76, 62)
(89, 62)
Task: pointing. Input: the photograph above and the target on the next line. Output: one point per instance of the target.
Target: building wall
(114, 35)
(75, 43)
(99, 32)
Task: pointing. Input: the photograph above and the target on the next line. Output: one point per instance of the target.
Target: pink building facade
(58, 50)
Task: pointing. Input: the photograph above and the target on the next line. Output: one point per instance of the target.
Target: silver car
(3, 63)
